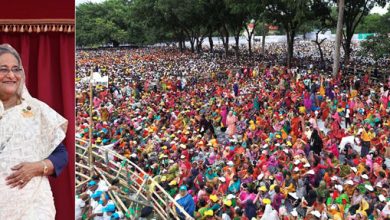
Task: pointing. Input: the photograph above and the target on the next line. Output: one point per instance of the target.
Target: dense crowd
(243, 138)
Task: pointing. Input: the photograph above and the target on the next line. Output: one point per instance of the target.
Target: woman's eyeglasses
(15, 70)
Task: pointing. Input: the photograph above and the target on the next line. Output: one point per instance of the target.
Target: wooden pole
(90, 156)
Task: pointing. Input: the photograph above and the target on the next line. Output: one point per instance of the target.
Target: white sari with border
(29, 132)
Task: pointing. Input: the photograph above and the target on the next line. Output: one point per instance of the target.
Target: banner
(96, 79)
(364, 36)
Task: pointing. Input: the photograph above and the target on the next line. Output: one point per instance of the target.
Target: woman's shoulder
(43, 109)
(38, 104)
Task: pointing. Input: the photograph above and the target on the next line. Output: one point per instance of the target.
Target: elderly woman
(30, 131)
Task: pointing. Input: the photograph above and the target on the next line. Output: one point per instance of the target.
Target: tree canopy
(115, 22)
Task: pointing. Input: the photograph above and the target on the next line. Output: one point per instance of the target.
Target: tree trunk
(318, 43)
(250, 44)
(237, 47)
(225, 39)
(226, 45)
(181, 45)
(321, 55)
(250, 34)
(211, 43)
(199, 43)
(336, 57)
(347, 49)
(192, 45)
(115, 43)
(290, 46)
(263, 40)
(182, 41)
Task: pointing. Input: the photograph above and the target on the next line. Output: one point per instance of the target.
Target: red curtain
(48, 59)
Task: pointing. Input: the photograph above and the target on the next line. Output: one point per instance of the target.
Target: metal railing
(137, 188)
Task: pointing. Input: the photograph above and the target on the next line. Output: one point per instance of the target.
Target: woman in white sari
(29, 132)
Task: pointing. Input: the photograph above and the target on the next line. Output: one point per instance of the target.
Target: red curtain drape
(48, 59)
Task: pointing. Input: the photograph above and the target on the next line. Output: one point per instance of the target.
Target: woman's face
(9, 82)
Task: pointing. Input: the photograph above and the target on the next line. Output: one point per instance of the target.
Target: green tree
(370, 24)
(354, 12)
(384, 22)
(236, 19)
(323, 21)
(185, 16)
(150, 25)
(251, 13)
(86, 24)
(291, 15)
(376, 46)
(104, 23)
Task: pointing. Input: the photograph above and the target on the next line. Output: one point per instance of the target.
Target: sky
(378, 10)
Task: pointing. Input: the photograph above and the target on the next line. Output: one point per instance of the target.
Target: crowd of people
(94, 202)
(243, 138)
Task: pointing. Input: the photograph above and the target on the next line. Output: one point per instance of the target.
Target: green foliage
(102, 23)
(376, 46)
(293, 14)
(385, 21)
(369, 24)
(355, 11)
(375, 23)
(155, 21)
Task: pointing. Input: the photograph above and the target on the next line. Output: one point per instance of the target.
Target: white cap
(265, 146)
(349, 182)
(293, 194)
(296, 162)
(369, 187)
(230, 163)
(339, 187)
(379, 184)
(183, 146)
(259, 177)
(296, 169)
(182, 156)
(231, 196)
(364, 176)
(316, 213)
(310, 172)
(354, 169)
(382, 198)
(306, 165)
(334, 178)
